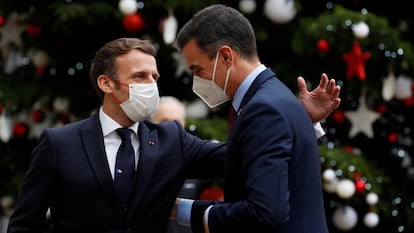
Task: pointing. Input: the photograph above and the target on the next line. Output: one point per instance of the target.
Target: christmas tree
(366, 160)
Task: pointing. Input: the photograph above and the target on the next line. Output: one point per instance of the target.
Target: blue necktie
(125, 165)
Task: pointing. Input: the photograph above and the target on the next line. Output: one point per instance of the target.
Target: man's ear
(105, 84)
(227, 54)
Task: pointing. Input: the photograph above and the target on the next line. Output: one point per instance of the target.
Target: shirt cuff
(206, 216)
(319, 131)
(184, 212)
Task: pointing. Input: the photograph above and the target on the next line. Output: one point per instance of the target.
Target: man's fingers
(336, 91)
(302, 84)
(324, 81)
(331, 86)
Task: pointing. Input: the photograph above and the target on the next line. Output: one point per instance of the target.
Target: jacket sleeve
(31, 207)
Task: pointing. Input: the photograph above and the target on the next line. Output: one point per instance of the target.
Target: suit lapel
(92, 138)
(147, 158)
(260, 79)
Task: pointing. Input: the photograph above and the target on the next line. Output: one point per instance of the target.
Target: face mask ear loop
(122, 84)
(227, 80)
(116, 98)
(214, 69)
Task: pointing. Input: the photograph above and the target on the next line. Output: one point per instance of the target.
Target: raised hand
(320, 102)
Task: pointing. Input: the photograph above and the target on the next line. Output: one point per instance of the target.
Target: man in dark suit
(73, 168)
(272, 174)
(75, 172)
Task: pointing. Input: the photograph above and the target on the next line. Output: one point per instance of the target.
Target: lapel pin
(239, 112)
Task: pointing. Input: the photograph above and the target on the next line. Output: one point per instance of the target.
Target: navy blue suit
(272, 174)
(69, 172)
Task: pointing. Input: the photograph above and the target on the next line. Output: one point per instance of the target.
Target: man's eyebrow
(192, 67)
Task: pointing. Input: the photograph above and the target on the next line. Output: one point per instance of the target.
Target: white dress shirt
(112, 140)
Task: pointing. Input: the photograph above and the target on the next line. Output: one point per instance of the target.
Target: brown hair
(104, 60)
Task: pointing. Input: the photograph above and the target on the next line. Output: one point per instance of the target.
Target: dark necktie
(232, 114)
(125, 165)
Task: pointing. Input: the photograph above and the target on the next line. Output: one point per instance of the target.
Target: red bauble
(408, 102)
(40, 70)
(359, 186)
(348, 149)
(33, 30)
(20, 129)
(38, 116)
(133, 23)
(381, 108)
(212, 193)
(357, 175)
(64, 119)
(2, 21)
(338, 116)
(1, 108)
(323, 45)
(392, 138)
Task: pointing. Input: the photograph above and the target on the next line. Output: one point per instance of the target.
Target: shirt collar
(109, 125)
(244, 86)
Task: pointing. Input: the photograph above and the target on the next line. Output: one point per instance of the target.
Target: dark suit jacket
(272, 176)
(69, 172)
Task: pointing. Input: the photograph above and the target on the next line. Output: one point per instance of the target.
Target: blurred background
(367, 46)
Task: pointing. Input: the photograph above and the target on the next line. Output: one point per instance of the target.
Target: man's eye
(138, 77)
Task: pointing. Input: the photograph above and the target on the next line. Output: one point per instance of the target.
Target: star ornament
(10, 33)
(181, 63)
(356, 61)
(362, 120)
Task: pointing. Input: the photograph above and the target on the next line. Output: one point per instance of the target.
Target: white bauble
(127, 6)
(371, 199)
(280, 11)
(170, 28)
(403, 87)
(7, 204)
(39, 57)
(328, 175)
(361, 30)
(197, 109)
(48, 215)
(345, 189)
(371, 219)
(388, 87)
(330, 187)
(6, 127)
(345, 218)
(61, 105)
(247, 6)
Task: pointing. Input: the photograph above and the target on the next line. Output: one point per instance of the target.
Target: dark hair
(219, 25)
(104, 60)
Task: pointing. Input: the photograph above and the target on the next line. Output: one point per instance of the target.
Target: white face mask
(209, 91)
(143, 101)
